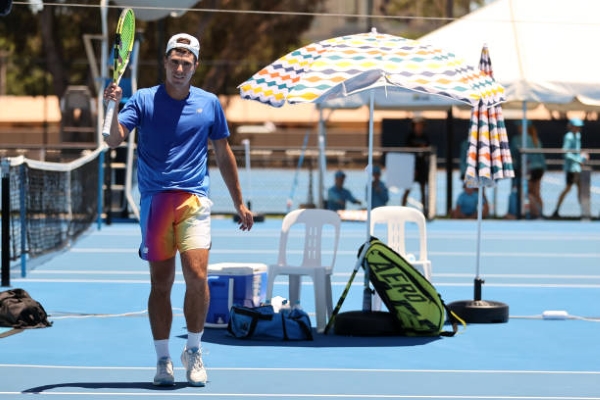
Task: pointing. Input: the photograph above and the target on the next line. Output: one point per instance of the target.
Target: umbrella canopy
(346, 65)
(488, 157)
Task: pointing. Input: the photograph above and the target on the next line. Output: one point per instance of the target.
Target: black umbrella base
(480, 311)
(257, 218)
(366, 323)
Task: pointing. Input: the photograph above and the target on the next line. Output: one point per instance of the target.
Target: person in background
(574, 158)
(379, 194)
(175, 122)
(338, 195)
(466, 204)
(513, 204)
(536, 165)
(417, 138)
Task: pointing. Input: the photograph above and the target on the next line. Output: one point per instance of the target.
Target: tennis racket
(338, 306)
(124, 38)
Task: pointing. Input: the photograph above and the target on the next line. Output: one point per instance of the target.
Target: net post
(100, 187)
(5, 165)
(23, 217)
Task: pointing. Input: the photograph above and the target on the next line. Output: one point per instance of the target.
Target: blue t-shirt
(379, 195)
(173, 138)
(337, 198)
(534, 160)
(467, 202)
(573, 160)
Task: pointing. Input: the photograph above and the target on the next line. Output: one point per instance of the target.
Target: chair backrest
(314, 220)
(396, 217)
(77, 100)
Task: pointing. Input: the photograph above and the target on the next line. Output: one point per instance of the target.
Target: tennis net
(48, 204)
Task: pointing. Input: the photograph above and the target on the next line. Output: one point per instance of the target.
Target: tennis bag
(408, 295)
(19, 310)
(264, 323)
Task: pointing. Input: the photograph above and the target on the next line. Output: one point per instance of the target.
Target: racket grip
(108, 118)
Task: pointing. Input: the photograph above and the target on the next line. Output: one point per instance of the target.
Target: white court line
(504, 235)
(353, 252)
(300, 396)
(277, 283)
(92, 272)
(338, 274)
(304, 369)
(518, 276)
(342, 274)
(361, 371)
(308, 283)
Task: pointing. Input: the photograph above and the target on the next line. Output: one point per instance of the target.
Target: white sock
(162, 348)
(193, 340)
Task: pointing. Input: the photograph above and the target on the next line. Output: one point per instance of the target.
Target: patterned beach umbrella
(345, 65)
(488, 157)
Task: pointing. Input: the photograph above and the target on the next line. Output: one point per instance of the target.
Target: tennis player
(174, 122)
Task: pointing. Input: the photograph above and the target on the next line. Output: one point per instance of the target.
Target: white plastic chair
(314, 220)
(396, 218)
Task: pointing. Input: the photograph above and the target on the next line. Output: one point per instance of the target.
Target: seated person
(466, 204)
(380, 193)
(513, 205)
(338, 195)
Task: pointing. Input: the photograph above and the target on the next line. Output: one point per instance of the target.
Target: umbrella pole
(246, 144)
(322, 159)
(257, 217)
(478, 310)
(367, 294)
(478, 280)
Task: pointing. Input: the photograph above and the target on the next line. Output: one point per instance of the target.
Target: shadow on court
(106, 385)
(220, 336)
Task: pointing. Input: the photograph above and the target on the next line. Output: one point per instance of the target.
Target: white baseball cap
(174, 43)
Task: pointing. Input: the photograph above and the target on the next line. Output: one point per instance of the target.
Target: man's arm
(228, 167)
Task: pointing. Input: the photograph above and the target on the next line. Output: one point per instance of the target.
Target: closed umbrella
(488, 160)
(369, 64)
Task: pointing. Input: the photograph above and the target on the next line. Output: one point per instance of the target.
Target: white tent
(542, 51)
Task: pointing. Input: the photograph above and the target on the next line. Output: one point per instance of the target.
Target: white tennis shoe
(194, 368)
(164, 373)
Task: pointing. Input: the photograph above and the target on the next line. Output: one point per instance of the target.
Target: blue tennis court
(100, 346)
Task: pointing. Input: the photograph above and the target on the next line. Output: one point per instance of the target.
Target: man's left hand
(246, 218)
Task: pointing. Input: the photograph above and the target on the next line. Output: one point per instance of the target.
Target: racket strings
(124, 39)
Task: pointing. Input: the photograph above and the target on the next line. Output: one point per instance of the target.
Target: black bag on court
(19, 310)
(264, 323)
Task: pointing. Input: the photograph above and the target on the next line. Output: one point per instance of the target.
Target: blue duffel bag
(264, 323)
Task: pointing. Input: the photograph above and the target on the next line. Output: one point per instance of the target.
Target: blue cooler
(242, 284)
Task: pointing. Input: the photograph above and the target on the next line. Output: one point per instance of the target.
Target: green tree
(45, 48)
(423, 16)
(49, 54)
